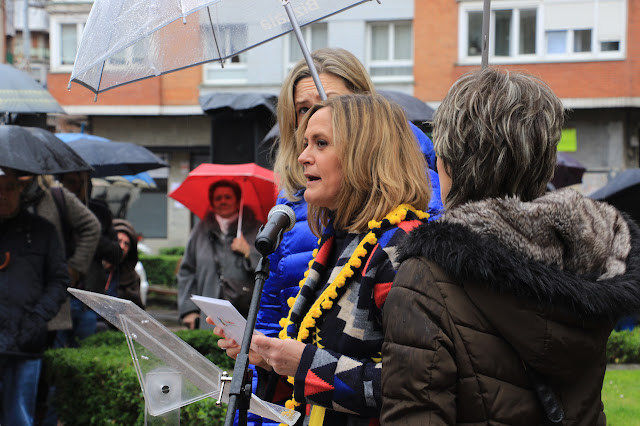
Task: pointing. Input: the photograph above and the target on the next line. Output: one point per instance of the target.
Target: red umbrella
(259, 190)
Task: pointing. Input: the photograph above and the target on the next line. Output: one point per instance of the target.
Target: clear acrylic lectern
(171, 373)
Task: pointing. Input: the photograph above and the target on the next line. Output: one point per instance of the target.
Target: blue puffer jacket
(290, 260)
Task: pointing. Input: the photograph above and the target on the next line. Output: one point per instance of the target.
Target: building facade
(588, 51)
(163, 113)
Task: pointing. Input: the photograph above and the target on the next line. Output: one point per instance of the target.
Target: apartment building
(14, 14)
(588, 51)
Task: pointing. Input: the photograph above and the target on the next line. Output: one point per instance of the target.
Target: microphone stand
(240, 390)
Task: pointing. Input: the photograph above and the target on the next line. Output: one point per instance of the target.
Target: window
(502, 32)
(475, 34)
(390, 51)
(134, 54)
(68, 43)
(527, 35)
(513, 32)
(230, 39)
(556, 42)
(582, 41)
(315, 36)
(560, 42)
(64, 41)
(544, 30)
(609, 46)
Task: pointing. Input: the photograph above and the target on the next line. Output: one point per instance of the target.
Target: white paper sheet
(224, 315)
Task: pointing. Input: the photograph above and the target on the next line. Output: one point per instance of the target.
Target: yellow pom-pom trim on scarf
(325, 301)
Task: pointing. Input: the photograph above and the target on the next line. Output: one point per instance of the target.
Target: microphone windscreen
(286, 210)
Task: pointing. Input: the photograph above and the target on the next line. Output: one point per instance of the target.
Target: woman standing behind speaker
(365, 188)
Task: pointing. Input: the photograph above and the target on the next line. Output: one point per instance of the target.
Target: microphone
(280, 220)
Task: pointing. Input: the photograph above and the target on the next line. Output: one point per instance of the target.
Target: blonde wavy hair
(497, 134)
(342, 64)
(382, 164)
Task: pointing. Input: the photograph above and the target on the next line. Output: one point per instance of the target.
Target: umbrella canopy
(568, 171)
(258, 186)
(414, 108)
(37, 151)
(141, 180)
(622, 192)
(20, 93)
(213, 102)
(130, 40)
(112, 158)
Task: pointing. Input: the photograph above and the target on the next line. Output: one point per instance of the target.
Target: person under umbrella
(257, 185)
(341, 73)
(219, 261)
(122, 279)
(83, 318)
(33, 279)
(78, 229)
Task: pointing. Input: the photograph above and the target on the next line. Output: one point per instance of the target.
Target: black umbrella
(20, 93)
(622, 192)
(568, 171)
(416, 110)
(37, 151)
(218, 101)
(112, 158)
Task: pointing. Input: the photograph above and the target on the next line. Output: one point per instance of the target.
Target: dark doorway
(239, 122)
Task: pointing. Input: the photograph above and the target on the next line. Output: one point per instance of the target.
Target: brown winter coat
(498, 285)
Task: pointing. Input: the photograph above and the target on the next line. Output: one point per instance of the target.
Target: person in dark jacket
(83, 318)
(33, 281)
(122, 279)
(216, 250)
(501, 310)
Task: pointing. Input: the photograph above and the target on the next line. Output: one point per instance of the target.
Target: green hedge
(623, 347)
(161, 269)
(178, 251)
(96, 384)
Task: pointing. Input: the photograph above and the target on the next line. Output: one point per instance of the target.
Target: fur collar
(562, 250)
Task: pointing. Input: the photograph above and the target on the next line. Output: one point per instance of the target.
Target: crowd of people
(423, 283)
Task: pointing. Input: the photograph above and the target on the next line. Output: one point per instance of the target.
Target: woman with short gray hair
(497, 135)
(501, 310)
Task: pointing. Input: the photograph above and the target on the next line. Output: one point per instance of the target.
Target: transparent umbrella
(130, 40)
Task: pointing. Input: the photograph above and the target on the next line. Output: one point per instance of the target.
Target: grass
(621, 397)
